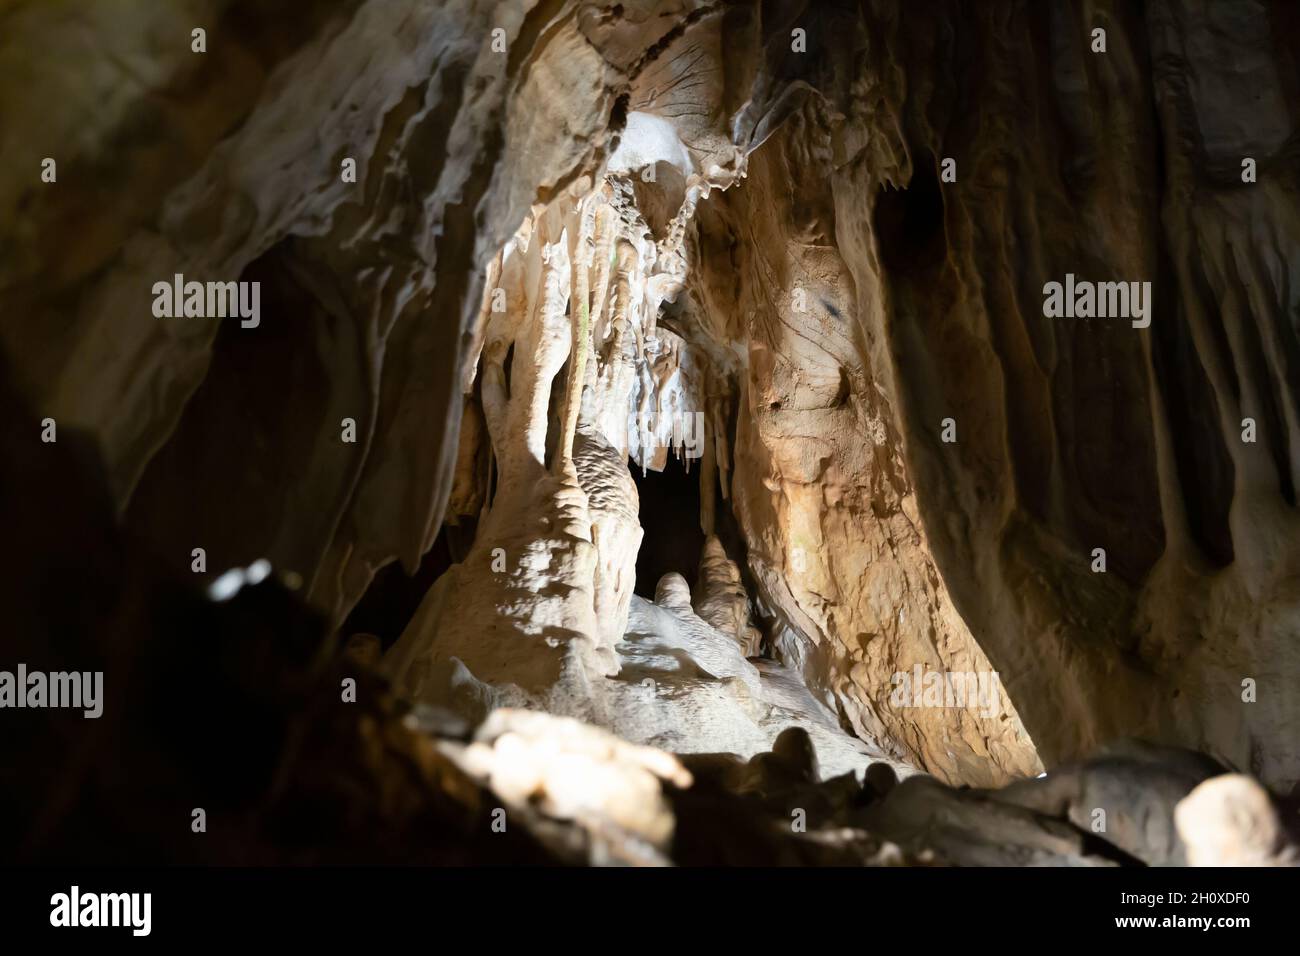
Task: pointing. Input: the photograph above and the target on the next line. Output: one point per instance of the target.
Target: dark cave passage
(670, 517)
(393, 597)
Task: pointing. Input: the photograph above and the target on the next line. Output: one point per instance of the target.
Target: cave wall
(215, 169)
(1073, 434)
(819, 485)
(925, 298)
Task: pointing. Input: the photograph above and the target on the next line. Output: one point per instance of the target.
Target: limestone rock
(573, 771)
(1230, 821)
(722, 601)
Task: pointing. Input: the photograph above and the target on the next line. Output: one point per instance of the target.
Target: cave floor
(685, 687)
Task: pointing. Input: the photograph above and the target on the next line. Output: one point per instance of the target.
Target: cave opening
(670, 518)
(390, 602)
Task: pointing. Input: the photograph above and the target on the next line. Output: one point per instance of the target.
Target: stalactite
(605, 239)
(582, 252)
(617, 374)
(721, 446)
(540, 350)
(474, 351)
(708, 489)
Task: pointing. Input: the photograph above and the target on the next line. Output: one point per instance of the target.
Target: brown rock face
(1080, 434)
(820, 484)
(981, 525)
